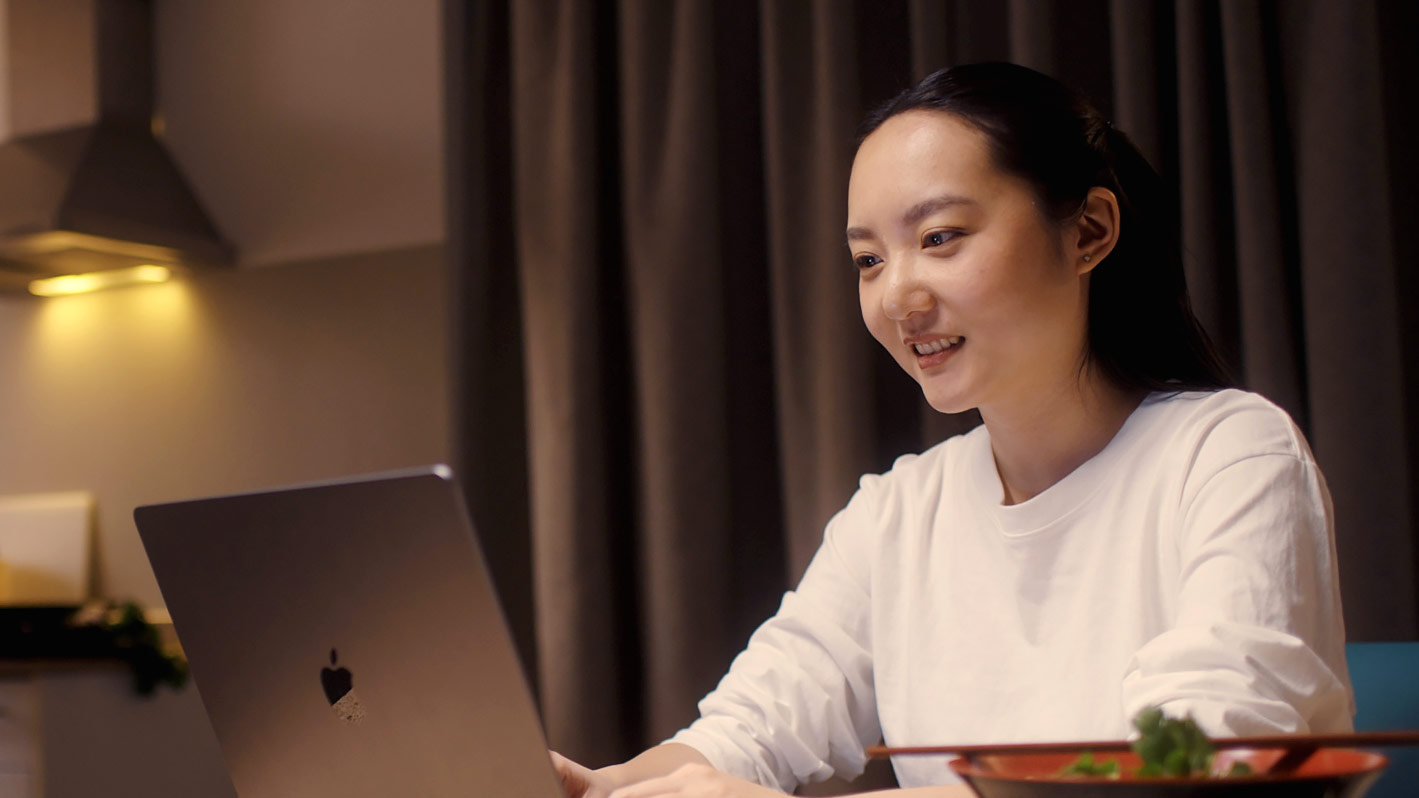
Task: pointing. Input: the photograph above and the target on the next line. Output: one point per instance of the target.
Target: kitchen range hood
(98, 191)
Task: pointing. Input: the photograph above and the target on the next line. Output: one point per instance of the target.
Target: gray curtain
(664, 386)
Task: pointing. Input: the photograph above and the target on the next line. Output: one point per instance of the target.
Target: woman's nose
(905, 293)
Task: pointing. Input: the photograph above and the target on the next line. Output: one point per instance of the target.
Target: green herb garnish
(1169, 747)
(1240, 769)
(1086, 766)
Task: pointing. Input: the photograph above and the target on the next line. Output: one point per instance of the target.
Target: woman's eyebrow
(925, 208)
(915, 213)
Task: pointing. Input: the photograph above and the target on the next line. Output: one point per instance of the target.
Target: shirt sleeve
(798, 704)
(1258, 642)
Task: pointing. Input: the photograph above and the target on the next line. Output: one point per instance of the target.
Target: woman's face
(962, 277)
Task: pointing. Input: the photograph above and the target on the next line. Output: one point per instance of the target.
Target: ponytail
(1142, 331)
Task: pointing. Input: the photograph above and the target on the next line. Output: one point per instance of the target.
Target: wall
(222, 382)
(312, 130)
(219, 383)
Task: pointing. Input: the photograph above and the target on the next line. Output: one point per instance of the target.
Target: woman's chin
(947, 403)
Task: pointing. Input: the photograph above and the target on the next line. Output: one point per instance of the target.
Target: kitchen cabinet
(19, 738)
(72, 730)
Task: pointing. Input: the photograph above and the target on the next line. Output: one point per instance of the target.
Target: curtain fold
(568, 259)
(1350, 305)
(811, 108)
(1205, 168)
(672, 222)
(665, 388)
(1267, 269)
(1144, 79)
(486, 325)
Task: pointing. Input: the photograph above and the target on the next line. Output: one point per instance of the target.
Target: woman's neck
(1040, 441)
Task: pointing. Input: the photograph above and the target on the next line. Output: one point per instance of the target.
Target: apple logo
(336, 682)
(339, 686)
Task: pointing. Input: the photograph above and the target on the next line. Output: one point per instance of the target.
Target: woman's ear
(1094, 234)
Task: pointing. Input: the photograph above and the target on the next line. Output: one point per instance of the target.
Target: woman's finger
(578, 781)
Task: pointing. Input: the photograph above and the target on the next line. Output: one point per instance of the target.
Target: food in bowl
(1282, 766)
(1172, 747)
(1328, 773)
(1172, 758)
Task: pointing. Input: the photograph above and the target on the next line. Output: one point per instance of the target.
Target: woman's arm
(671, 769)
(1257, 645)
(579, 781)
(799, 704)
(661, 760)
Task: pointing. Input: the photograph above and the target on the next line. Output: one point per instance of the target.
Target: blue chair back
(1386, 681)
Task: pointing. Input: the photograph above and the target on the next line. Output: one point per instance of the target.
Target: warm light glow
(95, 281)
(98, 363)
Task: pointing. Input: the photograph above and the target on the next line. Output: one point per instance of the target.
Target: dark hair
(1141, 329)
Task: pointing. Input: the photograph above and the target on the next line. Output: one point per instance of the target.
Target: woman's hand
(695, 781)
(688, 781)
(579, 781)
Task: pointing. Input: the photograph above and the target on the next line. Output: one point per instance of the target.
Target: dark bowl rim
(967, 770)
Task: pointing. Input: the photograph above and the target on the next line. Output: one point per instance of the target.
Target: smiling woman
(1023, 140)
(1124, 530)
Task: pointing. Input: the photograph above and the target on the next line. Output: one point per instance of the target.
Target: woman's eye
(938, 237)
(866, 261)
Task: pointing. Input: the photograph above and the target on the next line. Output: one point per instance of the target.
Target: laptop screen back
(346, 640)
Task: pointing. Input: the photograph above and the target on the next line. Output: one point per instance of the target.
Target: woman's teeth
(937, 345)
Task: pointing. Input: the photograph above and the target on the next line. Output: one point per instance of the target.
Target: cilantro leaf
(1171, 746)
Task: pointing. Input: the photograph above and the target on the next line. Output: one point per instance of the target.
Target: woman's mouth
(935, 352)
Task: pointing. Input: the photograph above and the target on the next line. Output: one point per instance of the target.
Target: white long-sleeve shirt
(1190, 565)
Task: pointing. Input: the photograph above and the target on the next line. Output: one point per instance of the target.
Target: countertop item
(45, 541)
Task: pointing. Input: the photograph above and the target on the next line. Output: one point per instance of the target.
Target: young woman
(1124, 530)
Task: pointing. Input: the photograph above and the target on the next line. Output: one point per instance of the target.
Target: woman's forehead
(924, 130)
(915, 156)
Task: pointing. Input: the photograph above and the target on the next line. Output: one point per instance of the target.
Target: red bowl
(1328, 773)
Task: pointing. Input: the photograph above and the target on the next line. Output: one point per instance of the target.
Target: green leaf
(1168, 747)
(1086, 766)
(1171, 746)
(1240, 769)
(1148, 720)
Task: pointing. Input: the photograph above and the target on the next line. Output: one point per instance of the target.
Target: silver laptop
(346, 640)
